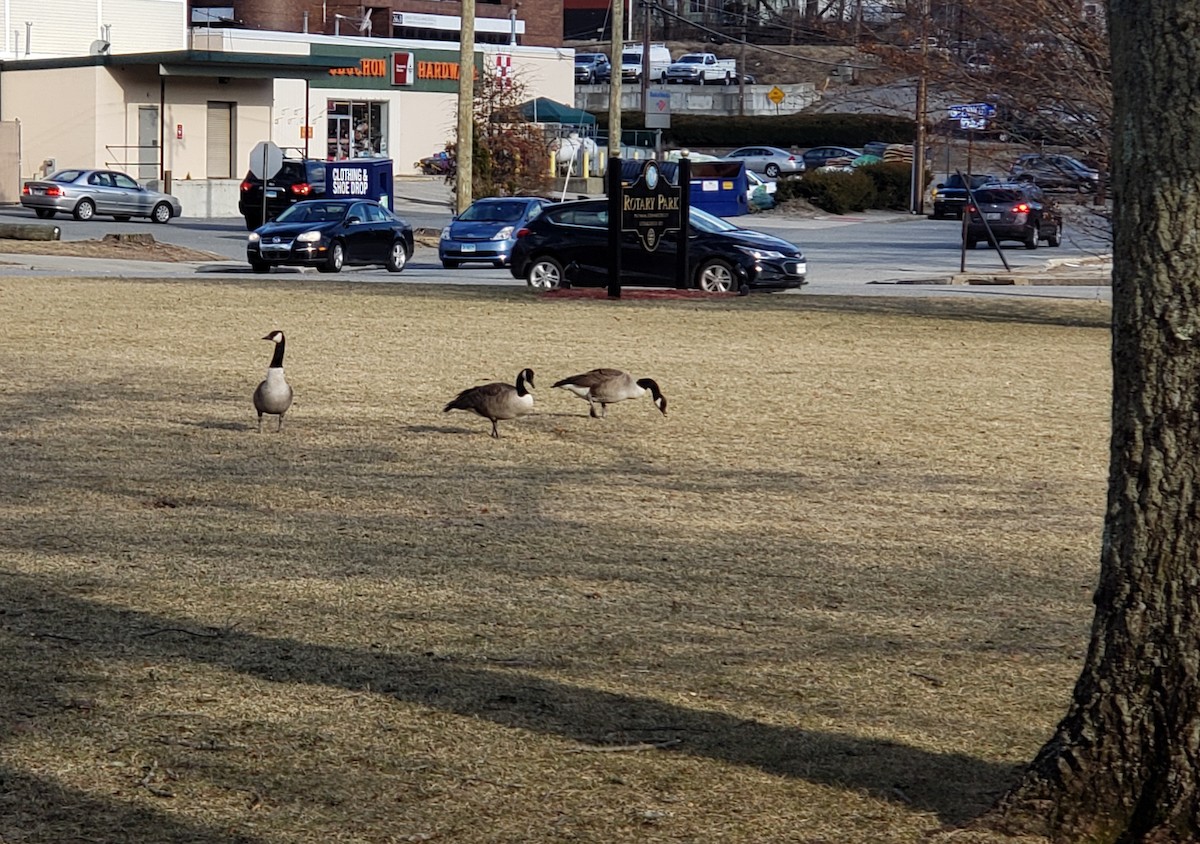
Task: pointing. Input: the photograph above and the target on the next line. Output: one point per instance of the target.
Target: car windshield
(586, 58)
(494, 212)
(993, 195)
(705, 222)
(313, 212)
(691, 60)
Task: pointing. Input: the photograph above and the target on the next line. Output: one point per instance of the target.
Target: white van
(631, 63)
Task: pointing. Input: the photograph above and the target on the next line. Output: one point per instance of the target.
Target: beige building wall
(76, 94)
(187, 101)
(62, 28)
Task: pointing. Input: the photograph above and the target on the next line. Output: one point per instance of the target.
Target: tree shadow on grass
(953, 786)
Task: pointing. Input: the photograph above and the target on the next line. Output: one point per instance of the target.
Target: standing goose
(608, 386)
(274, 395)
(497, 401)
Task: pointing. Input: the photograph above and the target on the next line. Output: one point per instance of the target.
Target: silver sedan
(86, 193)
(770, 161)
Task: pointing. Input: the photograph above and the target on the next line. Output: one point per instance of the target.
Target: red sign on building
(403, 69)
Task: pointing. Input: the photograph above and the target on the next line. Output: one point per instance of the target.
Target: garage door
(220, 140)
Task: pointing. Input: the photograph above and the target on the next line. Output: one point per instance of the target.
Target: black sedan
(331, 233)
(568, 243)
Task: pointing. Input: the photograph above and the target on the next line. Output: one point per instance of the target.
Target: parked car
(1013, 211)
(702, 69)
(487, 230)
(298, 180)
(631, 63)
(755, 181)
(331, 233)
(950, 196)
(770, 161)
(1054, 171)
(84, 193)
(821, 156)
(569, 242)
(592, 67)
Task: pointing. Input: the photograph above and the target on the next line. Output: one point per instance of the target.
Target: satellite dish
(99, 47)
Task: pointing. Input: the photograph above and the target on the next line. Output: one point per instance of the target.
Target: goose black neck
(277, 360)
(651, 385)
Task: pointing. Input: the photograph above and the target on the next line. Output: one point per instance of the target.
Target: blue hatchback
(487, 230)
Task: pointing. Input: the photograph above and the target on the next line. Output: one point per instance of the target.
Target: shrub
(893, 183)
(835, 191)
(798, 130)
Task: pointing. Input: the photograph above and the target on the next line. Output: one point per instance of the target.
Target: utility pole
(465, 158)
(614, 89)
(742, 67)
(645, 51)
(918, 169)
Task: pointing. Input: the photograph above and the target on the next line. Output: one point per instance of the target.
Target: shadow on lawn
(953, 786)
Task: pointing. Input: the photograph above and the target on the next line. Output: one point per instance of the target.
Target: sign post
(266, 159)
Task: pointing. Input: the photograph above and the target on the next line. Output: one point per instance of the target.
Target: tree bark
(1123, 763)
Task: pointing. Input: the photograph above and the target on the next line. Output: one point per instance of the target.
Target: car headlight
(446, 233)
(504, 233)
(253, 237)
(309, 237)
(761, 254)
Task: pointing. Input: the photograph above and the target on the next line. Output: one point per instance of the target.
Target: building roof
(201, 63)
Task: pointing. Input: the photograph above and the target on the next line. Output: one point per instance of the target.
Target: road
(875, 253)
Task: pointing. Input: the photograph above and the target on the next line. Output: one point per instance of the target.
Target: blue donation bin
(361, 178)
(720, 188)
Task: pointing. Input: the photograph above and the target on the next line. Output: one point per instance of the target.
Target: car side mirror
(941, 184)
(351, 221)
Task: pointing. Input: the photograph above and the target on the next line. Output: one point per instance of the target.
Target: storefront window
(356, 129)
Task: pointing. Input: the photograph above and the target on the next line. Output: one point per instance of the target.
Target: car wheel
(259, 265)
(971, 244)
(772, 170)
(544, 273)
(45, 213)
(452, 265)
(337, 257)
(161, 213)
(937, 213)
(499, 264)
(716, 276)
(122, 218)
(1055, 237)
(1031, 241)
(397, 257)
(252, 223)
(84, 210)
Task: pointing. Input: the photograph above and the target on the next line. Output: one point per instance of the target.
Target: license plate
(468, 247)
(272, 194)
(992, 215)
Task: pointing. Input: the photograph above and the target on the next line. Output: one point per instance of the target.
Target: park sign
(651, 207)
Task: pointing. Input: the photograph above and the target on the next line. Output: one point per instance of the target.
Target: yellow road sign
(776, 95)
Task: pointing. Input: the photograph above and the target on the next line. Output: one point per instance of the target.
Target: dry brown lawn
(837, 595)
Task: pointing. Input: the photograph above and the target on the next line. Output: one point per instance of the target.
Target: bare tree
(1124, 763)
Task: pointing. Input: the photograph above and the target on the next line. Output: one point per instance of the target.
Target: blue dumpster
(361, 178)
(720, 188)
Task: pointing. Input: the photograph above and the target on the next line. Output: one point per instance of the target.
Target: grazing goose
(497, 401)
(274, 395)
(608, 386)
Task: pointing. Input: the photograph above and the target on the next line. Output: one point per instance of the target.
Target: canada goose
(274, 395)
(497, 401)
(608, 386)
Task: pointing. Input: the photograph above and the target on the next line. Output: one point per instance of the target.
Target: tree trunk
(1123, 764)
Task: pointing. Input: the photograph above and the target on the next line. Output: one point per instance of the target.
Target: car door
(581, 242)
(132, 197)
(364, 234)
(103, 193)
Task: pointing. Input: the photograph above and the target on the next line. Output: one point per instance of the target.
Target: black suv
(1013, 211)
(950, 196)
(297, 180)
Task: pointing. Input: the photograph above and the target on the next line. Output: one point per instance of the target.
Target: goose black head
(526, 377)
(660, 401)
(275, 336)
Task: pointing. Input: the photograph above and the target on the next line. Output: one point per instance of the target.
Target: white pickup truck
(702, 69)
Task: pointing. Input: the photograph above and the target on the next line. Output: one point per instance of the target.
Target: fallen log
(29, 231)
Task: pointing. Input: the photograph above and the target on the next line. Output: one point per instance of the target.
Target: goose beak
(662, 406)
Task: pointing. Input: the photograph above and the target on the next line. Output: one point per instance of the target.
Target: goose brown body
(274, 395)
(609, 386)
(497, 400)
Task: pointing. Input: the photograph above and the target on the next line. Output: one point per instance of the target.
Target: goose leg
(260, 421)
(279, 427)
(592, 408)
(495, 430)
(603, 410)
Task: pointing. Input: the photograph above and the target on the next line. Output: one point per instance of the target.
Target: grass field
(837, 595)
